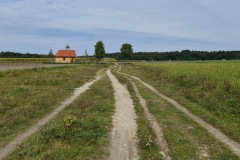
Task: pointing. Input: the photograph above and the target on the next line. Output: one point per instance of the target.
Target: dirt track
(123, 143)
(160, 140)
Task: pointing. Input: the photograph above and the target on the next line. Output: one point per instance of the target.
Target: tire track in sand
(123, 142)
(160, 140)
(232, 144)
(10, 147)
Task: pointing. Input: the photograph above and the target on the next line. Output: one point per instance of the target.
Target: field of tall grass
(210, 89)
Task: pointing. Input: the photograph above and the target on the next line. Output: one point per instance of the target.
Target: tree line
(21, 55)
(126, 53)
(176, 55)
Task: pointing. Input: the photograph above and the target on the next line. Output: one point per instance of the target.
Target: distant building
(65, 56)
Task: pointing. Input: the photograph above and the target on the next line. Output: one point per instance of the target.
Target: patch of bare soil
(9, 148)
(203, 154)
(123, 142)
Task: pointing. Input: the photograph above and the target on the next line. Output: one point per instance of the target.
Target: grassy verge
(29, 94)
(185, 138)
(147, 146)
(81, 131)
(209, 89)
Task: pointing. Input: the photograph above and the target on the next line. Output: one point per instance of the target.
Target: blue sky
(36, 26)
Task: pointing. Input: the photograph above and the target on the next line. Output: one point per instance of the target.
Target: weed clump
(69, 120)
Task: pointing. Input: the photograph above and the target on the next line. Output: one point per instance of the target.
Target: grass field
(52, 60)
(29, 94)
(210, 89)
(86, 137)
(27, 60)
(185, 138)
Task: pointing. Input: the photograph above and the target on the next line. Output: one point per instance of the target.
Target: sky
(36, 26)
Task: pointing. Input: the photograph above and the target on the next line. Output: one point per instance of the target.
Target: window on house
(64, 59)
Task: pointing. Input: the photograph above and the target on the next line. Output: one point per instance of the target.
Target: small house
(65, 56)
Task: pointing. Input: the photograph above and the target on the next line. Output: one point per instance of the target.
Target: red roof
(66, 53)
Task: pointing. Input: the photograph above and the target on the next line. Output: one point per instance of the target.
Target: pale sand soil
(9, 148)
(123, 141)
(11, 66)
(160, 141)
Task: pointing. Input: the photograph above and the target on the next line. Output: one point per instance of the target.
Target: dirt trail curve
(9, 148)
(233, 145)
(123, 142)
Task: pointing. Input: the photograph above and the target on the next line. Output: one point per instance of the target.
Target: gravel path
(123, 142)
(233, 145)
(8, 149)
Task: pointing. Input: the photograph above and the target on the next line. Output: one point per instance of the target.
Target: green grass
(88, 59)
(86, 138)
(148, 148)
(210, 89)
(26, 60)
(185, 138)
(29, 94)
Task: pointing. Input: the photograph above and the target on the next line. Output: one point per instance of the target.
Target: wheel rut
(160, 141)
(232, 144)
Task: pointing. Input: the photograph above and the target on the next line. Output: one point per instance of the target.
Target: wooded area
(149, 56)
(22, 55)
(176, 55)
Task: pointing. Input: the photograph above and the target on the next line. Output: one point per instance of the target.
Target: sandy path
(9, 148)
(233, 145)
(160, 141)
(123, 142)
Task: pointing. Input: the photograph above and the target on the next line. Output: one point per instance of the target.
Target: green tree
(126, 51)
(50, 54)
(99, 50)
(86, 56)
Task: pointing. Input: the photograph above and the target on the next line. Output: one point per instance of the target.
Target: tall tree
(50, 54)
(99, 50)
(126, 51)
(86, 56)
